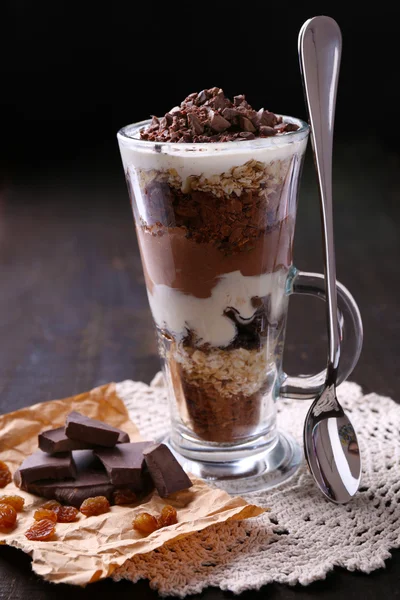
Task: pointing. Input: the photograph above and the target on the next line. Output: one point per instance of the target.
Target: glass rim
(127, 135)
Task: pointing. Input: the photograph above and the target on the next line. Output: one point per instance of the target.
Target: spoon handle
(320, 46)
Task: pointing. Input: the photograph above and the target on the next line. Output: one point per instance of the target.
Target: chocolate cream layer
(171, 258)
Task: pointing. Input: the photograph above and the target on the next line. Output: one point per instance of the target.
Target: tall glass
(215, 224)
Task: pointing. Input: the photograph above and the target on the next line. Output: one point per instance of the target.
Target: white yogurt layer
(208, 159)
(178, 312)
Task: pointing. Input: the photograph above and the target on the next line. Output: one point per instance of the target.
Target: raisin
(168, 516)
(41, 531)
(52, 505)
(95, 506)
(5, 474)
(67, 514)
(45, 513)
(15, 501)
(145, 523)
(8, 516)
(124, 496)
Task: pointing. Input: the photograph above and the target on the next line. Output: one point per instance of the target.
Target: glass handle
(351, 336)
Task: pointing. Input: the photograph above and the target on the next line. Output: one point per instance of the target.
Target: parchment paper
(93, 547)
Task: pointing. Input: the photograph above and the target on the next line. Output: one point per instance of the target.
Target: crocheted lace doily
(303, 536)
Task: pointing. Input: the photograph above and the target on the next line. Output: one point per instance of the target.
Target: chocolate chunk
(266, 131)
(124, 464)
(154, 123)
(266, 118)
(44, 466)
(291, 127)
(230, 113)
(194, 122)
(280, 127)
(55, 440)
(217, 122)
(202, 97)
(91, 431)
(166, 473)
(239, 100)
(246, 135)
(218, 102)
(163, 123)
(246, 124)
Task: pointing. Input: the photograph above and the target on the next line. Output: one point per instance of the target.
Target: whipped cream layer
(206, 159)
(178, 312)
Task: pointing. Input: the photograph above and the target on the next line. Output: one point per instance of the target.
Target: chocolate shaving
(217, 122)
(246, 124)
(211, 117)
(197, 127)
(266, 131)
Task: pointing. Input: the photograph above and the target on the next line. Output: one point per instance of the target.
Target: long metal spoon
(330, 442)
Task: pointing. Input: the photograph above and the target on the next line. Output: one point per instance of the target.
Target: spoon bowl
(331, 448)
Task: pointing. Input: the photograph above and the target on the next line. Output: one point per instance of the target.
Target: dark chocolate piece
(91, 480)
(91, 431)
(124, 464)
(167, 474)
(55, 440)
(44, 466)
(73, 492)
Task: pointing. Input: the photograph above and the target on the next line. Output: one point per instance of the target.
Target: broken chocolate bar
(124, 463)
(90, 480)
(166, 473)
(56, 440)
(89, 485)
(44, 466)
(81, 428)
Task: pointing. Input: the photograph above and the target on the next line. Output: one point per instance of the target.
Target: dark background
(73, 307)
(72, 75)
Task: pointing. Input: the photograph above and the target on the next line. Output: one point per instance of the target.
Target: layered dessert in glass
(214, 197)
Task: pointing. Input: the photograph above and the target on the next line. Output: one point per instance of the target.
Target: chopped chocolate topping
(211, 117)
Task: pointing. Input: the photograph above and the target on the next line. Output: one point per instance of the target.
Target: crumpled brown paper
(93, 547)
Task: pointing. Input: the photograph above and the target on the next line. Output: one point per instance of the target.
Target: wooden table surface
(74, 314)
